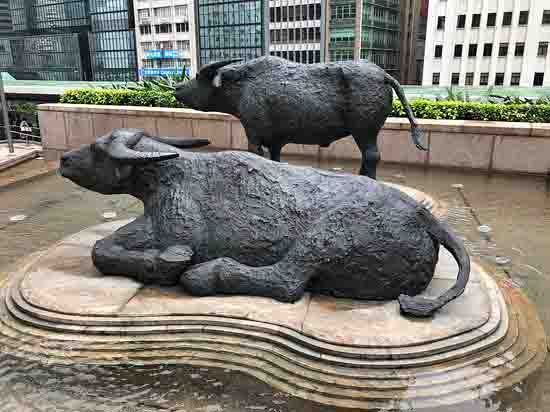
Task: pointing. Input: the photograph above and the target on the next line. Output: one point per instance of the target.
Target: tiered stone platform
(340, 352)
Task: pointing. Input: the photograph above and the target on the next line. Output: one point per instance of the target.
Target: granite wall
(488, 146)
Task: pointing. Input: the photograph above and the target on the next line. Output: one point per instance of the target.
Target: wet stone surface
(516, 208)
(64, 280)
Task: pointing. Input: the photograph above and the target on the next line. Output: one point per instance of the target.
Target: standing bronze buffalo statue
(280, 102)
(236, 223)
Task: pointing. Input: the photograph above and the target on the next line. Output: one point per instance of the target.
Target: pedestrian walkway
(22, 152)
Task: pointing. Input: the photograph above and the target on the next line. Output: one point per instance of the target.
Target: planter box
(487, 146)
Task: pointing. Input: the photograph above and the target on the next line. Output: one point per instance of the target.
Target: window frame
(485, 49)
(493, 19)
(501, 47)
(523, 15)
(455, 78)
(476, 19)
(519, 49)
(461, 48)
(507, 17)
(461, 22)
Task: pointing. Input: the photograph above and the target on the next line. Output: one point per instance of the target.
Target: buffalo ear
(210, 71)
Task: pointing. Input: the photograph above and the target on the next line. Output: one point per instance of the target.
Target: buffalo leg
(275, 152)
(368, 144)
(319, 250)
(131, 251)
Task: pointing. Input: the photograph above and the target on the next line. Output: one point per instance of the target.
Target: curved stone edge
(456, 346)
(497, 367)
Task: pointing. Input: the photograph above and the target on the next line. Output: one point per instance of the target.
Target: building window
(499, 79)
(503, 50)
(441, 23)
(458, 50)
(543, 49)
(181, 11)
(455, 79)
(546, 17)
(539, 79)
(487, 49)
(164, 45)
(520, 50)
(143, 14)
(438, 51)
(183, 44)
(472, 50)
(516, 77)
(163, 28)
(147, 45)
(461, 22)
(507, 18)
(435, 79)
(145, 29)
(484, 79)
(476, 21)
(163, 12)
(182, 27)
(470, 79)
(523, 17)
(491, 20)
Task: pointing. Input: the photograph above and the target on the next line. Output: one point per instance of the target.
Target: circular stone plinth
(340, 352)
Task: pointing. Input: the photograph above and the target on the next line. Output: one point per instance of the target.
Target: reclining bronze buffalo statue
(236, 223)
(280, 102)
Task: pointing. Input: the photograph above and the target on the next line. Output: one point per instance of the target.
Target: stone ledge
(393, 123)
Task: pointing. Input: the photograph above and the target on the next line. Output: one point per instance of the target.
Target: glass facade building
(366, 30)
(230, 29)
(70, 40)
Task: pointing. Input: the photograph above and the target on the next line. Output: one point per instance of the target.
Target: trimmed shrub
(455, 110)
(119, 97)
(422, 108)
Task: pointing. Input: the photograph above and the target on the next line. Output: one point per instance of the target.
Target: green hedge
(119, 97)
(453, 110)
(423, 109)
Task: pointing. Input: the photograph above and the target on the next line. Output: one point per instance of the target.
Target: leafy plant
(162, 84)
(120, 97)
(423, 108)
(457, 110)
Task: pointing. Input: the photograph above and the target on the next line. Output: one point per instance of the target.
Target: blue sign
(153, 54)
(162, 71)
(170, 54)
(161, 54)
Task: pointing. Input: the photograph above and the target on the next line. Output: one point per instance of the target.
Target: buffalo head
(107, 165)
(203, 92)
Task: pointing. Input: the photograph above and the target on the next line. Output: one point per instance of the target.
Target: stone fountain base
(333, 351)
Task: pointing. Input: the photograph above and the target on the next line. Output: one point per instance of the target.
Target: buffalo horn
(120, 148)
(209, 71)
(182, 143)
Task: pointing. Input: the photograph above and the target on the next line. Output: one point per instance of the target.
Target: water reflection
(517, 209)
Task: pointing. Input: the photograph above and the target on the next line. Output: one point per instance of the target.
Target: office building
(296, 30)
(70, 40)
(165, 36)
(230, 29)
(5, 17)
(488, 43)
(414, 19)
(364, 29)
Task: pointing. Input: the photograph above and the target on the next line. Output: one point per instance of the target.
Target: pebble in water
(18, 218)
(457, 186)
(484, 229)
(109, 215)
(503, 260)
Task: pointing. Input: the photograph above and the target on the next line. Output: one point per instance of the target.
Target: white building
(296, 30)
(165, 37)
(488, 43)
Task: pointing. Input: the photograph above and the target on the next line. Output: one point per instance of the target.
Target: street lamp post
(5, 117)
